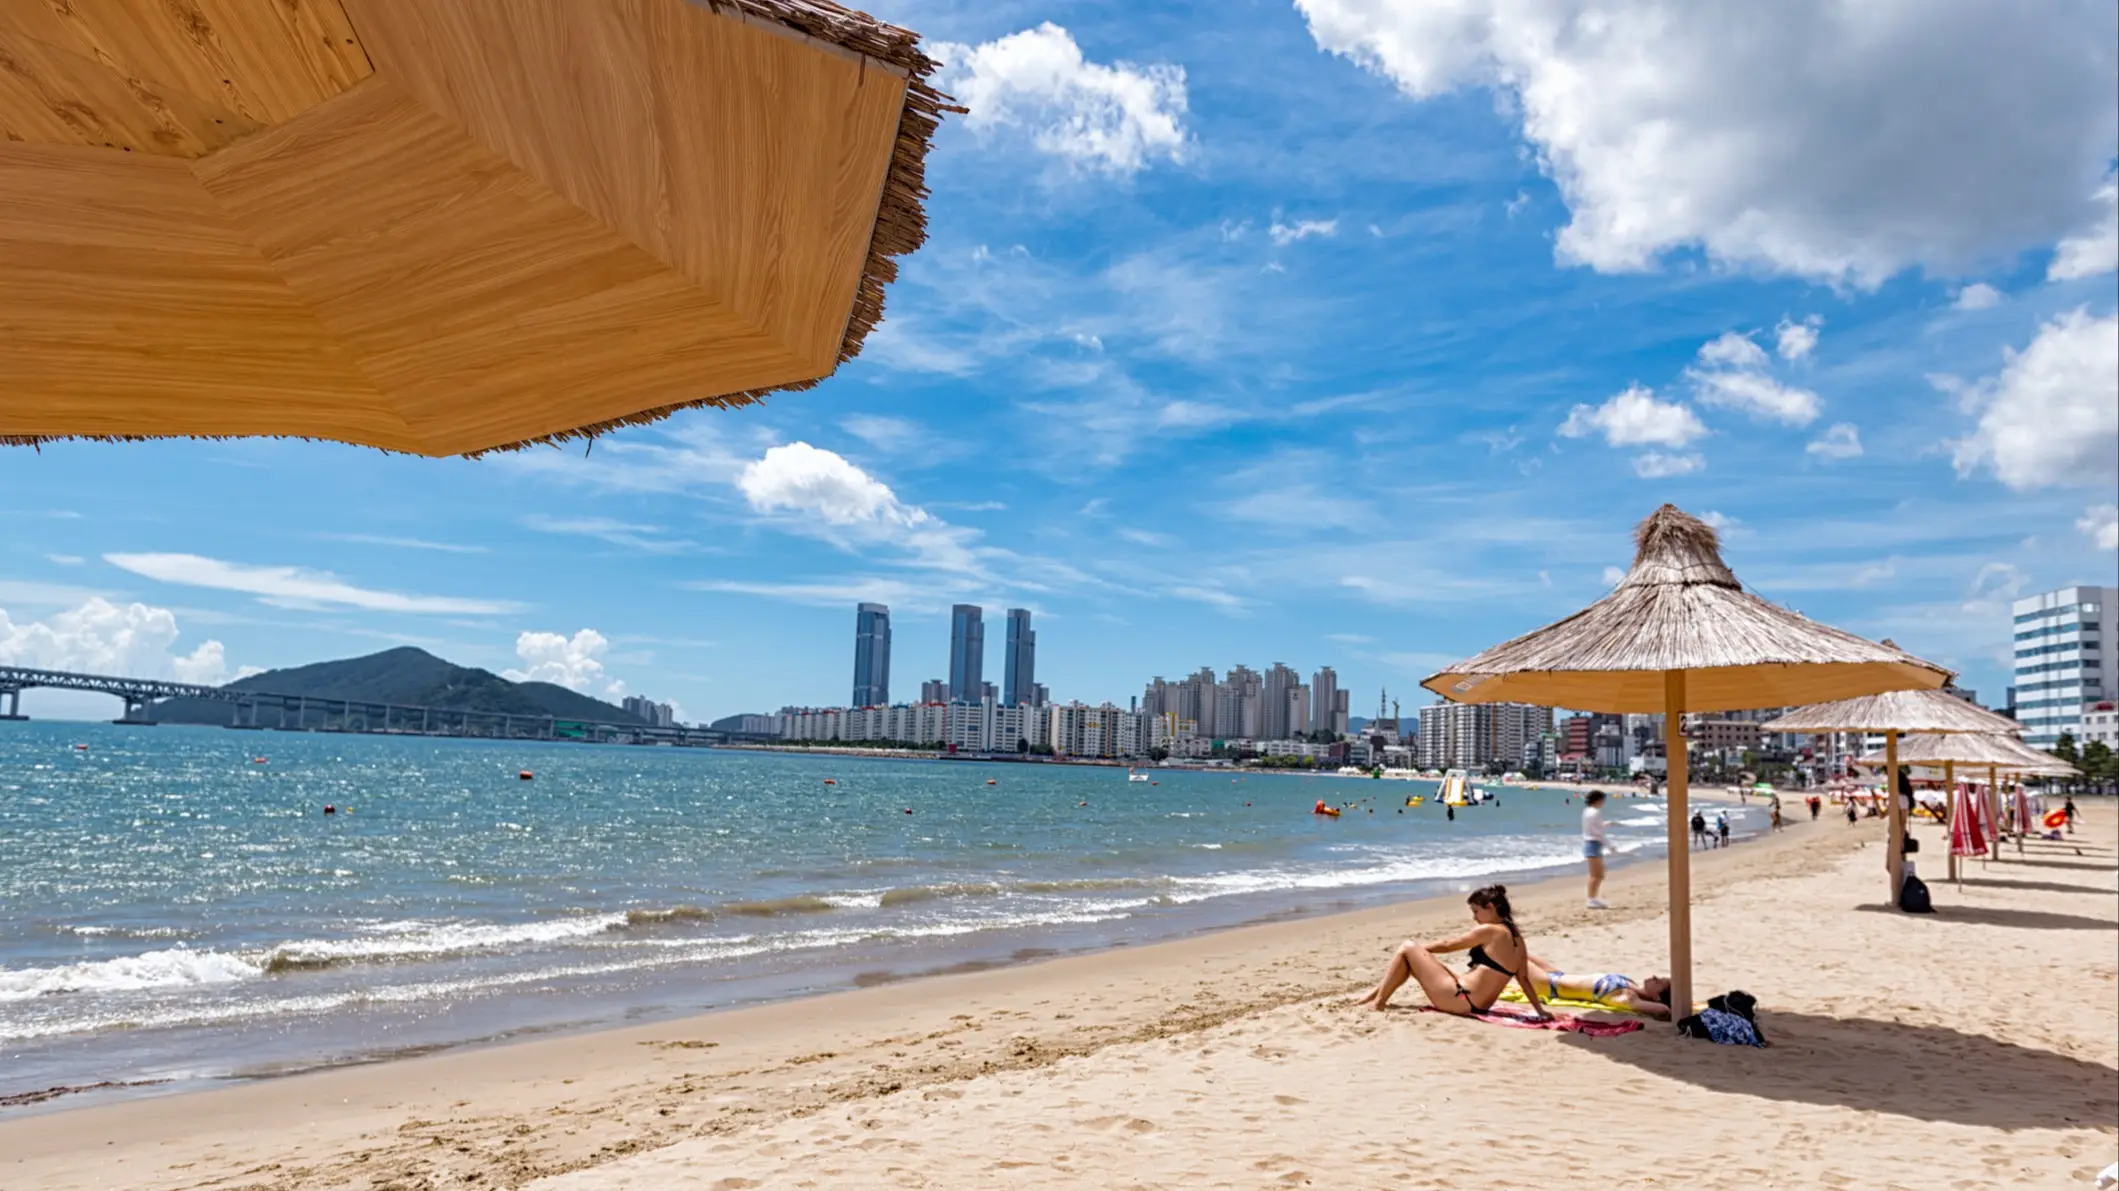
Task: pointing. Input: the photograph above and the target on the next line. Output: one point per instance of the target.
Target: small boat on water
(1456, 789)
(1131, 776)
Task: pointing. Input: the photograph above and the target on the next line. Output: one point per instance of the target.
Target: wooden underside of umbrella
(441, 226)
(1721, 688)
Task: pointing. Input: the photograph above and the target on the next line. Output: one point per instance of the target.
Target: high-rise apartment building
(934, 690)
(1279, 680)
(2065, 660)
(1324, 701)
(1019, 665)
(967, 653)
(871, 656)
(1479, 735)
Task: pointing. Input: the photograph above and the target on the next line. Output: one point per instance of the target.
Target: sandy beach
(1978, 1047)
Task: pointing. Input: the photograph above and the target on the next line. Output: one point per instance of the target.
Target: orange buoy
(831, 781)
(991, 782)
(80, 747)
(525, 775)
(257, 760)
(330, 809)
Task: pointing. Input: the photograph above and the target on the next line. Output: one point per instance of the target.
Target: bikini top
(1480, 959)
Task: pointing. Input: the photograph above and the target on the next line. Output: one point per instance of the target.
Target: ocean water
(175, 905)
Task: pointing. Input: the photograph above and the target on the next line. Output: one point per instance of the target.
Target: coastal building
(1276, 687)
(1019, 664)
(871, 655)
(1328, 703)
(2065, 659)
(934, 690)
(967, 653)
(2100, 725)
(1478, 735)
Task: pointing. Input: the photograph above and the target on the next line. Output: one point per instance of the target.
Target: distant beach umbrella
(1679, 633)
(443, 226)
(1919, 726)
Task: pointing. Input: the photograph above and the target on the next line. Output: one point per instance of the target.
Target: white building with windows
(2064, 659)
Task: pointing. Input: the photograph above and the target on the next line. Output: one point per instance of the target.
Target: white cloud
(815, 491)
(1719, 124)
(1284, 234)
(99, 637)
(2095, 251)
(1657, 465)
(380, 539)
(1350, 638)
(2051, 416)
(2101, 523)
(1841, 441)
(1734, 372)
(1613, 576)
(295, 587)
(1147, 537)
(1733, 350)
(1635, 418)
(66, 560)
(575, 663)
(645, 538)
(1721, 523)
(1796, 340)
(883, 433)
(1978, 296)
(1113, 119)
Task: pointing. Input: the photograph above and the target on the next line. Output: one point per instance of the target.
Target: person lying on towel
(1608, 990)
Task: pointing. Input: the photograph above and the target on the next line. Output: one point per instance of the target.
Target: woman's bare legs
(1413, 962)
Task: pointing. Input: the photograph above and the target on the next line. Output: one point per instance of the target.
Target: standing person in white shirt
(1593, 844)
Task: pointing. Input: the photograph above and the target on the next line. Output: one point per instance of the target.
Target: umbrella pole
(1680, 845)
(1993, 813)
(1950, 812)
(1895, 851)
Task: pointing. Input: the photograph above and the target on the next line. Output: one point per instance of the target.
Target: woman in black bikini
(1498, 955)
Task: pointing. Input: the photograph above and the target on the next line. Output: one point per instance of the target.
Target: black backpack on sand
(1913, 896)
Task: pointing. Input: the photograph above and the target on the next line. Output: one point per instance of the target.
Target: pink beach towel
(1519, 1017)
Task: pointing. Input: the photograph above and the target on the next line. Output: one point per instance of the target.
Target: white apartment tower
(2064, 659)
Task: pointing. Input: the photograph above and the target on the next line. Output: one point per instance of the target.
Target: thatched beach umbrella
(442, 226)
(1998, 753)
(1680, 634)
(1907, 714)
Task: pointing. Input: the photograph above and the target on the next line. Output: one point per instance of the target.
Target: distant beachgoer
(1699, 830)
(1649, 998)
(2069, 811)
(1816, 805)
(1852, 814)
(1451, 808)
(1498, 955)
(1721, 828)
(1776, 809)
(1594, 843)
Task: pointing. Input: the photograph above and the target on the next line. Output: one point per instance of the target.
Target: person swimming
(1498, 955)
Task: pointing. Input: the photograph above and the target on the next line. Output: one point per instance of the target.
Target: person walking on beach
(1776, 809)
(1852, 814)
(1593, 844)
(1699, 830)
(1816, 804)
(1721, 829)
(2069, 811)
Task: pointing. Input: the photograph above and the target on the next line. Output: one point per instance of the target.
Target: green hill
(405, 676)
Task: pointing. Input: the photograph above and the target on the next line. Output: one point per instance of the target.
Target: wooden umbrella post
(1993, 813)
(1950, 812)
(1895, 850)
(1680, 844)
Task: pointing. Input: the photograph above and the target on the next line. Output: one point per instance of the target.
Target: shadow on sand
(2037, 862)
(1997, 916)
(2030, 886)
(1932, 1073)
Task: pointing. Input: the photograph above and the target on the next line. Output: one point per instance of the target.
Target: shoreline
(519, 1070)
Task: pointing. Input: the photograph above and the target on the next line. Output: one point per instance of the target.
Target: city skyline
(1385, 375)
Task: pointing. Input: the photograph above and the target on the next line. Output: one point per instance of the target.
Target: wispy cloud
(378, 539)
(632, 536)
(296, 587)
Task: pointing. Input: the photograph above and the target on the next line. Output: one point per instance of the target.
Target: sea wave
(175, 967)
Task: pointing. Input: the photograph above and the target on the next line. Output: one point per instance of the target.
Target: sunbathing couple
(1499, 955)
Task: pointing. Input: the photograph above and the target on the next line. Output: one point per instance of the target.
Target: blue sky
(1343, 333)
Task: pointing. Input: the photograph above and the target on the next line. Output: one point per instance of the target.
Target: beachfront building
(2065, 659)
(1078, 730)
(1019, 663)
(1478, 735)
(2100, 725)
(871, 655)
(934, 690)
(967, 653)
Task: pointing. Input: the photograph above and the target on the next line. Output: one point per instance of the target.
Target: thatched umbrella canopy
(1976, 736)
(442, 226)
(1680, 634)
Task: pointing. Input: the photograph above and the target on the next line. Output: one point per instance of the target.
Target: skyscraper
(871, 656)
(967, 652)
(1019, 666)
(1324, 701)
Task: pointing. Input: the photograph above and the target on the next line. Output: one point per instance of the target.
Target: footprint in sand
(1284, 1100)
